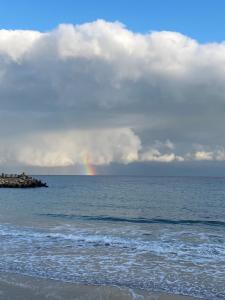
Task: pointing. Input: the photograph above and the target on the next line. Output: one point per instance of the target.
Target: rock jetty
(20, 181)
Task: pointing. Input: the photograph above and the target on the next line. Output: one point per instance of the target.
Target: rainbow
(89, 168)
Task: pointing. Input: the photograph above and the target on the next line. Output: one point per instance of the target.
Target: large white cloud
(101, 146)
(100, 90)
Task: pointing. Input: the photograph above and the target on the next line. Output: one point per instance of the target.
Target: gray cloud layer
(102, 91)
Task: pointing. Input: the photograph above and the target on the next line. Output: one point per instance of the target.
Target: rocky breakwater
(20, 181)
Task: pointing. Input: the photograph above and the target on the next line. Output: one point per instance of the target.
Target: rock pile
(20, 181)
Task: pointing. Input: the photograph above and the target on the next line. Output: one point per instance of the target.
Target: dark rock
(20, 181)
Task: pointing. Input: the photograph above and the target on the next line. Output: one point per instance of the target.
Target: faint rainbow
(89, 167)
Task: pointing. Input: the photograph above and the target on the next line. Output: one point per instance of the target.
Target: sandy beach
(18, 287)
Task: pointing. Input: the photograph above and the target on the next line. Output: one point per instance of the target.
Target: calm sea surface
(156, 233)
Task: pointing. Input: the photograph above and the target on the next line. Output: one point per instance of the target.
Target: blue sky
(201, 19)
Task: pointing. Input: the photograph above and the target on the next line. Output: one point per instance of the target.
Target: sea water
(156, 233)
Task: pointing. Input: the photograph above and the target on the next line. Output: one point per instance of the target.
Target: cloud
(14, 44)
(160, 152)
(65, 148)
(101, 90)
(155, 155)
(216, 155)
(203, 155)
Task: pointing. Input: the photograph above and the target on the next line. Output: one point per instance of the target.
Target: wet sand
(17, 287)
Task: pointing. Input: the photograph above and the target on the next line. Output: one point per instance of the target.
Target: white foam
(84, 256)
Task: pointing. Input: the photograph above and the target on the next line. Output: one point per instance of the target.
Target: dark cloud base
(166, 169)
(196, 168)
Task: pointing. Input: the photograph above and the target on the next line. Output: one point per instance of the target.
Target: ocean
(163, 234)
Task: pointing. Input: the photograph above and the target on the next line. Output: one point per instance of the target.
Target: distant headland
(20, 181)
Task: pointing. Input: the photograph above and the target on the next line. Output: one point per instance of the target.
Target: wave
(67, 256)
(138, 220)
(80, 239)
(166, 245)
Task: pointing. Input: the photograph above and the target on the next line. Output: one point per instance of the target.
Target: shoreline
(21, 287)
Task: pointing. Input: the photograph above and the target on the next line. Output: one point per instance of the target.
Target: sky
(200, 19)
(124, 88)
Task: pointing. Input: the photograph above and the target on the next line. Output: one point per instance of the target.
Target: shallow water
(158, 233)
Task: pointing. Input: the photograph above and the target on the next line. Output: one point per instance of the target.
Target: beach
(19, 287)
(111, 237)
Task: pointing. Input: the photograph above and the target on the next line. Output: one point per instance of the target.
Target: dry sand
(17, 287)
